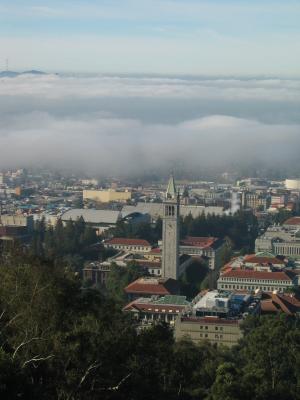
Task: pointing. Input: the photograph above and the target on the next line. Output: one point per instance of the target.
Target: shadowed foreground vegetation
(59, 341)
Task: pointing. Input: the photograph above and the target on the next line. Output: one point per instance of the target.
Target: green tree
(120, 277)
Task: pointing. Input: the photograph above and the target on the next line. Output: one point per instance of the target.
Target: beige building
(106, 196)
(216, 330)
(17, 220)
(246, 279)
(125, 244)
(255, 201)
(292, 184)
(280, 240)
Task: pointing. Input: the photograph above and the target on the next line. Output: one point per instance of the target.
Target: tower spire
(171, 189)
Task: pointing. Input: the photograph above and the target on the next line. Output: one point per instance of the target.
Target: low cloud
(133, 126)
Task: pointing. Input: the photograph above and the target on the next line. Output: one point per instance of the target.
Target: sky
(135, 87)
(215, 37)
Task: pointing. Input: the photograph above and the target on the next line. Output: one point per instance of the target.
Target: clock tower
(170, 232)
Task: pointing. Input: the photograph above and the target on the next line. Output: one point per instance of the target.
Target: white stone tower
(170, 232)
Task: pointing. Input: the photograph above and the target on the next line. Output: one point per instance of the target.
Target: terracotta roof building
(147, 287)
(125, 244)
(262, 261)
(246, 279)
(275, 303)
(148, 311)
(292, 223)
(210, 247)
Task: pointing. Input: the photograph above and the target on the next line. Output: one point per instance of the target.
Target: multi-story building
(255, 200)
(106, 196)
(276, 303)
(129, 245)
(224, 304)
(246, 279)
(213, 329)
(96, 273)
(15, 227)
(210, 247)
(147, 311)
(281, 240)
(292, 223)
(17, 220)
(292, 184)
(148, 287)
(215, 316)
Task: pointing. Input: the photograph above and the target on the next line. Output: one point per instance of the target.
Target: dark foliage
(60, 341)
(68, 245)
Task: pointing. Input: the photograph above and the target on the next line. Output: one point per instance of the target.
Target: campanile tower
(170, 232)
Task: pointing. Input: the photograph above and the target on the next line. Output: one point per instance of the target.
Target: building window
(206, 335)
(216, 328)
(206, 327)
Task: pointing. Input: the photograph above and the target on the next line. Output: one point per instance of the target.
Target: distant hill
(13, 74)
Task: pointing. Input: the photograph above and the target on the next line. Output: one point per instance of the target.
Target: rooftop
(210, 299)
(244, 273)
(92, 215)
(198, 241)
(292, 221)
(263, 258)
(128, 242)
(155, 286)
(164, 304)
(288, 304)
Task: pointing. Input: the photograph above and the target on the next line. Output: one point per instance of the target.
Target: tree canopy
(59, 340)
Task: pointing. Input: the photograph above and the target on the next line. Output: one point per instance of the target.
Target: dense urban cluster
(185, 290)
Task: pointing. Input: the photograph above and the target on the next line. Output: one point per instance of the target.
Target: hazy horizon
(135, 125)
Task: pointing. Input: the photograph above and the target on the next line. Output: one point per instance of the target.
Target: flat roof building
(106, 196)
(213, 329)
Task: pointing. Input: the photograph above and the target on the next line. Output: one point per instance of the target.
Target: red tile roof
(281, 302)
(156, 250)
(198, 241)
(128, 242)
(252, 258)
(242, 273)
(153, 286)
(292, 221)
(148, 263)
